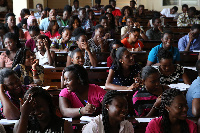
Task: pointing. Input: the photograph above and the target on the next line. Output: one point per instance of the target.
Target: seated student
(43, 15)
(53, 30)
(173, 115)
(116, 10)
(155, 15)
(86, 23)
(140, 12)
(189, 18)
(108, 31)
(170, 73)
(23, 14)
(11, 90)
(87, 7)
(3, 31)
(74, 23)
(98, 43)
(12, 45)
(184, 11)
(88, 52)
(132, 43)
(64, 43)
(122, 74)
(45, 22)
(90, 16)
(193, 95)
(111, 21)
(132, 5)
(66, 15)
(113, 116)
(167, 42)
(27, 67)
(155, 32)
(147, 99)
(34, 31)
(4, 6)
(98, 6)
(126, 11)
(43, 54)
(191, 41)
(75, 7)
(167, 12)
(79, 97)
(77, 57)
(38, 114)
(39, 9)
(108, 9)
(24, 25)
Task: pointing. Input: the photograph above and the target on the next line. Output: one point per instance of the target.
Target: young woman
(122, 74)
(170, 73)
(43, 54)
(24, 13)
(38, 114)
(79, 97)
(66, 15)
(111, 20)
(90, 15)
(113, 116)
(77, 57)
(146, 100)
(126, 11)
(28, 68)
(12, 45)
(74, 22)
(132, 43)
(88, 52)
(173, 115)
(53, 30)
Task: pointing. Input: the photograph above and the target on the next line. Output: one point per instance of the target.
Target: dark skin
(193, 34)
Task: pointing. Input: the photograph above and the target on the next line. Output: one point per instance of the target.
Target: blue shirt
(86, 24)
(45, 23)
(154, 52)
(182, 43)
(193, 92)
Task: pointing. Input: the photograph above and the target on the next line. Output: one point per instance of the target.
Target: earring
(122, 62)
(107, 109)
(168, 111)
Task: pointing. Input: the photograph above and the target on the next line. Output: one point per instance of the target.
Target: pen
(86, 101)
(139, 44)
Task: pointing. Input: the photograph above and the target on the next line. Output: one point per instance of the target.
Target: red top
(117, 12)
(109, 62)
(52, 36)
(138, 43)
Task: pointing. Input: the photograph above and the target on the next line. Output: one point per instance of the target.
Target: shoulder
(192, 126)
(126, 126)
(96, 88)
(154, 125)
(64, 93)
(94, 125)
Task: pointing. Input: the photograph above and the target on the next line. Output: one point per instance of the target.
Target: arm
(149, 63)
(2, 63)
(51, 55)
(68, 61)
(186, 79)
(21, 33)
(155, 107)
(144, 37)
(10, 111)
(67, 127)
(191, 38)
(36, 77)
(148, 34)
(196, 107)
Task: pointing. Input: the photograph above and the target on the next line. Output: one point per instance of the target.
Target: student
(167, 12)
(114, 111)
(116, 10)
(167, 42)
(155, 32)
(53, 30)
(88, 52)
(140, 13)
(132, 5)
(79, 97)
(147, 99)
(125, 30)
(43, 54)
(87, 7)
(38, 114)
(184, 11)
(90, 16)
(122, 74)
(98, 43)
(86, 23)
(191, 41)
(126, 11)
(28, 68)
(11, 90)
(66, 15)
(173, 115)
(77, 57)
(108, 31)
(75, 7)
(4, 6)
(24, 25)
(170, 73)
(40, 9)
(3, 31)
(74, 23)
(34, 31)
(23, 14)
(111, 20)
(12, 45)
(98, 6)
(132, 43)
(43, 15)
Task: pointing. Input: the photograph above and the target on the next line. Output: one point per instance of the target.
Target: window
(180, 2)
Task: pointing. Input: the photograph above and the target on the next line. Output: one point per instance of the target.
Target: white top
(43, 60)
(166, 12)
(96, 126)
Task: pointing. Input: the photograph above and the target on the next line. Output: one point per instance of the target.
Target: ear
(72, 59)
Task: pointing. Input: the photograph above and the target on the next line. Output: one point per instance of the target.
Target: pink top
(95, 96)
(30, 44)
(154, 126)
(4, 58)
(52, 36)
(27, 35)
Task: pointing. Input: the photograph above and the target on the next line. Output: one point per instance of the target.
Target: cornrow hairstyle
(164, 54)
(78, 32)
(79, 72)
(166, 100)
(4, 73)
(19, 57)
(108, 98)
(130, 10)
(117, 55)
(72, 19)
(147, 71)
(75, 51)
(51, 24)
(34, 28)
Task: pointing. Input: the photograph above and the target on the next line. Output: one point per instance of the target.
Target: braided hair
(164, 54)
(166, 100)
(117, 55)
(108, 98)
(20, 57)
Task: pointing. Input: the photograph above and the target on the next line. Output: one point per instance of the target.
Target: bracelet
(34, 70)
(79, 111)
(156, 108)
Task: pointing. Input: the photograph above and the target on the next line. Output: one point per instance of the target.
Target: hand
(191, 36)
(46, 44)
(160, 28)
(52, 18)
(107, 35)
(138, 49)
(133, 86)
(88, 109)
(85, 46)
(35, 63)
(158, 102)
(26, 106)
(138, 80)
(100, 40)
(137, 24)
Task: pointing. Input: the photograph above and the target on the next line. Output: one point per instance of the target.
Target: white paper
(191, 68)
(99, 67)
(144, 119)
(86, 118)
(180, 86)
(69, 119)
(8, 122)
(47, 66)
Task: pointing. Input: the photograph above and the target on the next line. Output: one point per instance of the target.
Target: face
(113, 4)
(109, 10)
(141, 9)
(41, 109)
(43, 14)
(132, 4)
(104, 22)
(55, 27)
(29, 58)
(13, 84)
(66, 15)
(184, 9)
(91, 15)
(78, 58)
(127, 58)
(157, 23)
(114, 46)
(40, 44)
(39, 7)
(166, 65)
(134, 36)
(167, 41)
(33, 34)
(11, 21)
(10, 44)
(75, 24)
(109, 17)
(33, 22)
(152, 82)
(191, 14)
(76, 5)
(129, 22)
(99, 32)
(81, 39)
(178, 108)
(117, 110)
(172, 11)
(82, 13)
(70, 81)
(66, 35)
(126, 12)
(195, 33)
(52, 13)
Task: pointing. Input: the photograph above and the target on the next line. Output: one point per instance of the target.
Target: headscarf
(30, 18)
